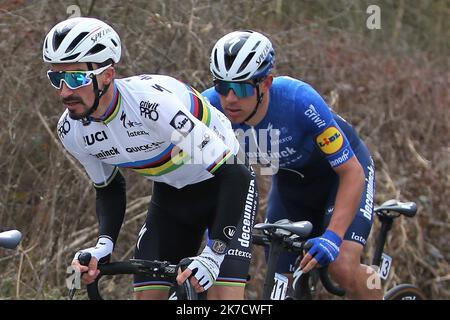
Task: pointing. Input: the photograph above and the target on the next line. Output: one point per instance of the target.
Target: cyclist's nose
(65, 91)
(231, 97)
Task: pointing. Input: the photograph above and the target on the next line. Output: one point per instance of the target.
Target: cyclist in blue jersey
(166, 131)
(322, 171)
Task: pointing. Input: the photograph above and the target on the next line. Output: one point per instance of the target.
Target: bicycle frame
(303, 290)
(386, 225)
(279, 241)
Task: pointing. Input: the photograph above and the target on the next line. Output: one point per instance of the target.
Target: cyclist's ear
(109, 75)
(267, 83)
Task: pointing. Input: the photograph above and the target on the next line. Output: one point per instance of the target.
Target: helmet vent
(229, 59)
(263, 65)
(114, 43)
(242, 77)
(216, 63)
(58, 37)
(97, 48)
(216, 75)
(70, 57)
(246, 61)
(76, 41)
(256, 46)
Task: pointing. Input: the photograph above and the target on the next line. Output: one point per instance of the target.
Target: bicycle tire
(405, 292)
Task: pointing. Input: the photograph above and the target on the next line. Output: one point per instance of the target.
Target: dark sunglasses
(240, 89)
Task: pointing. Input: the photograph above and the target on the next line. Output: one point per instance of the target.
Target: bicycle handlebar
(136, 266)
(325, 278)
(297, 245)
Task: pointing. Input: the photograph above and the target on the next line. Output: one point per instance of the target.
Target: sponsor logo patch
(330, 141)
(63, 128)
(229, 232)
(182, 123)
(149, 110)
(219, 246)
(99, 136)
(206, 139)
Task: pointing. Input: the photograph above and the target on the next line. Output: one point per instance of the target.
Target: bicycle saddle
(287, 228)
(408, 209)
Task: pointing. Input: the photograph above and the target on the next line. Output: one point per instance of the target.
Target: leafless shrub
(392, 84)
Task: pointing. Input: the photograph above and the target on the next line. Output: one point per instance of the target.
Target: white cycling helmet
(81, 40)
(242, 55)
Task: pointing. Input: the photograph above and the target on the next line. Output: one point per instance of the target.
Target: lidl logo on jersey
(182, 123)
(330, 141)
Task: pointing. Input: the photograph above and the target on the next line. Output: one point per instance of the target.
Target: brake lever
(84, 259)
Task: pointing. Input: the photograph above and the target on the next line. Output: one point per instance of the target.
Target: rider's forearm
(237, 197)
(110, 207)
(351, 186)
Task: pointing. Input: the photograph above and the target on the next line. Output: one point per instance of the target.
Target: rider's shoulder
(290, 83)
(300, 92)
(156, 87)
(147, 82)
(65, 122)
(67, 131)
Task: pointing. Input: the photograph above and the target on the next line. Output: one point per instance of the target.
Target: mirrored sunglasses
(73, 79)
(240, 89)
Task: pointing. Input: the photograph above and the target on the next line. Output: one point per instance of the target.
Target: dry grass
(392, 84)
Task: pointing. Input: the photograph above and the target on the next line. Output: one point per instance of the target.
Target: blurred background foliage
(390, 83)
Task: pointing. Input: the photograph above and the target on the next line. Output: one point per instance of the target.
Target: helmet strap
(260, 96)
(97, 93)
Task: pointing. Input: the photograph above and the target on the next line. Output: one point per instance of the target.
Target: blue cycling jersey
(311, 137)
(312, 140)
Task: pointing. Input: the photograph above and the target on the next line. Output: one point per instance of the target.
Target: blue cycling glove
(325, 249)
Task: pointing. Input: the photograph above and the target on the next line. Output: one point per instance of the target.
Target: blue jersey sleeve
(317, 118)
(213, 97)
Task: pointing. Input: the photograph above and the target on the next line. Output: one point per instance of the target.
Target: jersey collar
(113, 108)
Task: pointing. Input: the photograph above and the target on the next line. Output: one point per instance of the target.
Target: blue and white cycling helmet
(242, 55)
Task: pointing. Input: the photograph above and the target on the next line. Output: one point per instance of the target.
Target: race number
(385, 266)
(279, 287)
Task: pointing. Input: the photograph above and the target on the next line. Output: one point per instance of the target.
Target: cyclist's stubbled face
(237, 109)
(77, 101)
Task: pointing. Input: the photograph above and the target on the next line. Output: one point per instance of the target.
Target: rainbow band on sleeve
(199, 107)
(201, 110)
(219, 161)
(163, 163)
(108, 181)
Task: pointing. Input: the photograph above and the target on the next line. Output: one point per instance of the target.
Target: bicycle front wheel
(405, 292)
